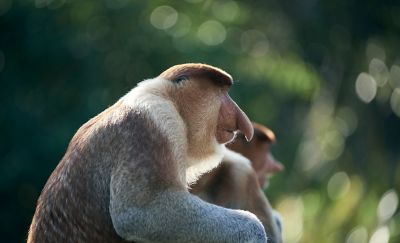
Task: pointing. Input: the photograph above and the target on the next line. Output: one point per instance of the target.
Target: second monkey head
(258, 151)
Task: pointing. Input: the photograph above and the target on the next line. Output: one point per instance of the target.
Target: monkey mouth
(225, 135)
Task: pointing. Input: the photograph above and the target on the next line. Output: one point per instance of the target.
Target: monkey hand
(253, 228)
(181, 217)
(278, 220)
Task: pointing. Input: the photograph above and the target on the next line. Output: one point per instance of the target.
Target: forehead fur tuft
(216, 75)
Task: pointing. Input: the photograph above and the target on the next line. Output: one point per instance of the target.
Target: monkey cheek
(224, 136)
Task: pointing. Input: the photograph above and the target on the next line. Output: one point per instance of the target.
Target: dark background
(324, 75)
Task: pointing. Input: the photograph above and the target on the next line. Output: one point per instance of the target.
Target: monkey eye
(180, 79)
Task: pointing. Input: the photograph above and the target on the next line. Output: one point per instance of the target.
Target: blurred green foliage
(324, 75)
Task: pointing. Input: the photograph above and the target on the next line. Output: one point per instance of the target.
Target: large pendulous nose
(231, 119)
(243, 124)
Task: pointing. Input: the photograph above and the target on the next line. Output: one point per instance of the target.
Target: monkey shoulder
(239, 165)
(119, 137)
(225, 184)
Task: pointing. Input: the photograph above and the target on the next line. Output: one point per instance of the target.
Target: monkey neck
(146, 98)
(199, 166)
(149, 98)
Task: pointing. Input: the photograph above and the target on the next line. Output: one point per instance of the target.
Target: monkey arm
(234, 184)
(251, 197)
(269, 218)
(149, 201)
(278, 220)
(174, 215)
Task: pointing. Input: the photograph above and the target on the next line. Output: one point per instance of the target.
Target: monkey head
(258, 152)
(200, 93)
(207, 116)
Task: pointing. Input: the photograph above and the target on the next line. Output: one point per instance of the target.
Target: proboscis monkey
(125, 174)
(258, 151)
(237, 182)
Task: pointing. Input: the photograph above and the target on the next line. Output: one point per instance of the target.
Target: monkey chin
(225, 136)
(199, 166)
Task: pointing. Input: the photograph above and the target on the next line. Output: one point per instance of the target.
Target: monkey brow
(216, 75)
(220, 79)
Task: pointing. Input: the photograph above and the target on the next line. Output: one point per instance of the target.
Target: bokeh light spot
(342, 126)
(310, 155)
(250, 37)
(332, 145)
(182, 26)
(383, 94)
(82, 11)
(164, 17)
(260, 49)
(291, 209)
(279, 26)
(379, 71)
(395, 101)
(338, 185)
(395, 76)
(211, 33)
(381, 235)
(312, 204)
(358, 235)
(374, 50)
(388, 205)
(232, 45)
(225, 10)
(350, 118)
(365, 87)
